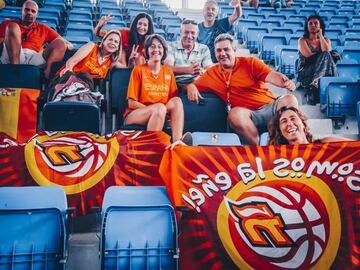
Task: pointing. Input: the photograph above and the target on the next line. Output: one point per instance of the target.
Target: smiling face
(188, 35)
(156, 50)
(112, 43)
(210, 12)
(142, 26)
(225, 53)
(292, 128)
(29, 13)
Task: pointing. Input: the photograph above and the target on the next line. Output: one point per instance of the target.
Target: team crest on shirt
(167, 77)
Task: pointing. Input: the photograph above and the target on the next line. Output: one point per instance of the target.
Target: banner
(18, 112)
(83, 164)
(274, 207)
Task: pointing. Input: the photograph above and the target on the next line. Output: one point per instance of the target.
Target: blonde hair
(116, 55)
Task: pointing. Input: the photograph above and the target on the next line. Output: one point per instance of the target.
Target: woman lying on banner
(289, 126)
(132, 39)
(152, 92)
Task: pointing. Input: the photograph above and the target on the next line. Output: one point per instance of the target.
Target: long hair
(148, 42)
(306, 29)
(276, 137)
(117, 54)
(134, 37)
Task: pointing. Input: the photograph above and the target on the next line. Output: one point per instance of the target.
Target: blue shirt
(207, 35)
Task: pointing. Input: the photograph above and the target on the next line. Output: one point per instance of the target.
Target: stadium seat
(215, 139)
(358, 115)
(264, 139)
(342, 99)
(72, 116)
(20, 76)
(324, 83)
(207, 116)
(351, 53)
(267, 43)
(252, 37)
(348, 70)
(33, 228)
(288, 56)
(139, 229)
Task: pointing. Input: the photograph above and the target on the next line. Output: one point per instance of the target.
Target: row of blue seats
(147, 240)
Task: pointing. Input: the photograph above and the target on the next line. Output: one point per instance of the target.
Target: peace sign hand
(134, 52)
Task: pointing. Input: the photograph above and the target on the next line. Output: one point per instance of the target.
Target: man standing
(240, 83)
(212, 27)
(188, 58)
(23, 40)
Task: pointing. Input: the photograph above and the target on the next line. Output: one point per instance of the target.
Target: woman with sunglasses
(133, 38)
(289, 126)
(152, 92)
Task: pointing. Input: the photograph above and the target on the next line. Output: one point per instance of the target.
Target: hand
(235, 3)
(178, 142)
(69, 45)
(194, 94)
(134, 52)
(289, 84)
(104, 19)
(66, 69)
(196, 68)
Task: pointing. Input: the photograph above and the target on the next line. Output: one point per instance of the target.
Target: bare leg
(176, 110)
(13, 42)
(254, 3)
(240, 120)
(153, 116)
(287, 101)
(53, 53)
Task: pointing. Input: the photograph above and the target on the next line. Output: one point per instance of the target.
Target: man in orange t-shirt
(240, 83)
(22, 40)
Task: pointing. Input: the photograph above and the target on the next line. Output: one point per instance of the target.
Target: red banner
(83, 164)
(283, 207)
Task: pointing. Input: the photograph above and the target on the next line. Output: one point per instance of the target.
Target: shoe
(187, 138)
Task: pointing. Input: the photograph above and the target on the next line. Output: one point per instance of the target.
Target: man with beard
(23, 40)
(212, 27)
(240, 83)
(187, 58)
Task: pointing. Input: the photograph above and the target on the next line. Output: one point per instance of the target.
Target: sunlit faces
(112, 43)
(292, 127)
(29, 12)
(313, 25)
(210, 11)
(156, 50)
(189, 34)
(225, 53)
(142, 26)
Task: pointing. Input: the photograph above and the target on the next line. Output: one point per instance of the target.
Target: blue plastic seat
(33, 228)
(267, 43)
(252, 37)
(215, 139)
(358, 115)
(342, 99)
(323, 85)
(139, 229)
(348, 70)
(288, 56)
(351, 53)
(20, 76)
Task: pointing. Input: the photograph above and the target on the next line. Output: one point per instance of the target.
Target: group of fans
(202, 60)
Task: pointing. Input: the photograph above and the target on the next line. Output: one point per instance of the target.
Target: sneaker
(187, 138)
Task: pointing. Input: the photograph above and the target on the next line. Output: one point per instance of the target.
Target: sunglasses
(24, 36)
(188, 21)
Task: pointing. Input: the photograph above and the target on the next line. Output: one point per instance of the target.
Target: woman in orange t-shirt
(152, 92)
(96, 59)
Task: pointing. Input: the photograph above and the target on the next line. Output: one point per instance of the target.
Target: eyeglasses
(189, 21)
(24, 36)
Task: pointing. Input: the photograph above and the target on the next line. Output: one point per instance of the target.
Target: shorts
(262, 116)
(27, 56)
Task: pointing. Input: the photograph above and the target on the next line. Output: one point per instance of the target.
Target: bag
(74, 87)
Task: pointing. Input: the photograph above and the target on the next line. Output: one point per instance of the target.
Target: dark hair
(116, 55)
(134, 37)
(276, 137)
(189, 21)
(306, 29)
(148, 42)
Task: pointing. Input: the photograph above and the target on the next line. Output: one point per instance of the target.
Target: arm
(237, 11)
(68, 44)
(77, 57)
(182, 70)
(193, 93)
(304, 48)
(103, 20)
(280, 80)
(325, 43)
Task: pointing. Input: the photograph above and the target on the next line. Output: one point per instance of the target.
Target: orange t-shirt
(90, 64)
(144, 87)
(33, 38)
(247, 83)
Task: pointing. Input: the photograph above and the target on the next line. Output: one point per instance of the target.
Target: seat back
(342, 99)
(215, 138)
(71, 116)
(138, 229)
(348, 70)
(19, 76)
(208, 116)
(324, 83)
(33, 232)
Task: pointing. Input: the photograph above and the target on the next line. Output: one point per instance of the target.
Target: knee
(159, 110)
(287, 101)
(13, 28)
(59, 45)
(238, 117)
(176, 103)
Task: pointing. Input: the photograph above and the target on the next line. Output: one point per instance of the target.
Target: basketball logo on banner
(74, 161)
(280, 224)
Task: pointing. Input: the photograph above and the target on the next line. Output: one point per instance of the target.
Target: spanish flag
(18, 112)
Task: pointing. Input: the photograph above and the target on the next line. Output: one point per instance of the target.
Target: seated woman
(96, 59)
(289, 126)
(281, 3)
(132, 39)
(152, 92)
(315, 60)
